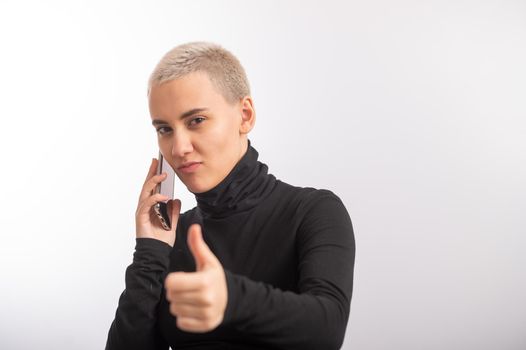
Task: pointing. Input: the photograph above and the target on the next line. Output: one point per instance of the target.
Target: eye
(163, 130)
(196, 120)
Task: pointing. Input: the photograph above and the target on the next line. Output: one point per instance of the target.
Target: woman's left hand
(198, 299)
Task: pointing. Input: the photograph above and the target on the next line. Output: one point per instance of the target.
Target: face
(200, 134)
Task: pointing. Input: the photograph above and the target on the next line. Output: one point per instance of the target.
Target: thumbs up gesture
(198, 299)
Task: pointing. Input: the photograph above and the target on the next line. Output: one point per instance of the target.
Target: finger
(194, 297)
(148, 188)
(202, 254)
(188, 310)
(145, 207)
(192, 325)
(150, 185)
(151, 170)
(185, 281)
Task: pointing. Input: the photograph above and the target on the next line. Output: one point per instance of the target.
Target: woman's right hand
(146, 221)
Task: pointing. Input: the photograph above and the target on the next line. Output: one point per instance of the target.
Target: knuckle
(168, 296)
(156, 178)
(159, 195)
(208, 315)
(205, 281)
(208, 298)
(208, 324)
(181, 323)
(169, 281)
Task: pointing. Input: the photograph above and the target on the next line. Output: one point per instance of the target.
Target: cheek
(221, 137)
(165, 146)
(164, 142)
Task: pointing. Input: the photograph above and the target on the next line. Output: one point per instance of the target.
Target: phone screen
(167, 186)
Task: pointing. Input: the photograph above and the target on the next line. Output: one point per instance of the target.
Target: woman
(258, 263)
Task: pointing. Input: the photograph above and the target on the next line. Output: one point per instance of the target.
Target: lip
(189, 167)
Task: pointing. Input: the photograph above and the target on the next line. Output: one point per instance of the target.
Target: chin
(196, 188)
(199, 184)
(192, 186)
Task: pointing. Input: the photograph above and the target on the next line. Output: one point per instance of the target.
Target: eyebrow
(182, 116)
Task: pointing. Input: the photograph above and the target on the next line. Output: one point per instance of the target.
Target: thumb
(202, 254)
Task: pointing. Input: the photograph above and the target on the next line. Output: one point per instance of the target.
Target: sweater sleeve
(134, 326)
(315, 317)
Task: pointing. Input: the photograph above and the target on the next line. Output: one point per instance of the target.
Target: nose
(182, 145)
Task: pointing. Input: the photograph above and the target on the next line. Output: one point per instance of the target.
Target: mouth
(189, 167)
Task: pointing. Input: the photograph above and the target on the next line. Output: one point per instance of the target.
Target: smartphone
(166, 187)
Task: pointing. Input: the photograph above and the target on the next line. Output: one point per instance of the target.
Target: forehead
(190, 91)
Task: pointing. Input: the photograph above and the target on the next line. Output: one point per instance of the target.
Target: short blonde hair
(223, 68)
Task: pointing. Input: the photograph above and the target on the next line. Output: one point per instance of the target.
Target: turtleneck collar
(247, 184)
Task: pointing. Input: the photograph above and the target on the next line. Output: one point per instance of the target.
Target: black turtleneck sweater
(288, 256)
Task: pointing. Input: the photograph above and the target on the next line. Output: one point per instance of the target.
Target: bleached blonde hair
(224, 70)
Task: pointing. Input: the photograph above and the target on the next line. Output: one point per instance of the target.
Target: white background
(413, 112)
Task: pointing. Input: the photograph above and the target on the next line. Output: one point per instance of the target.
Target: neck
(242, 189)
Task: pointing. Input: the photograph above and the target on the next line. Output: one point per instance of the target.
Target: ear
(248, 115)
